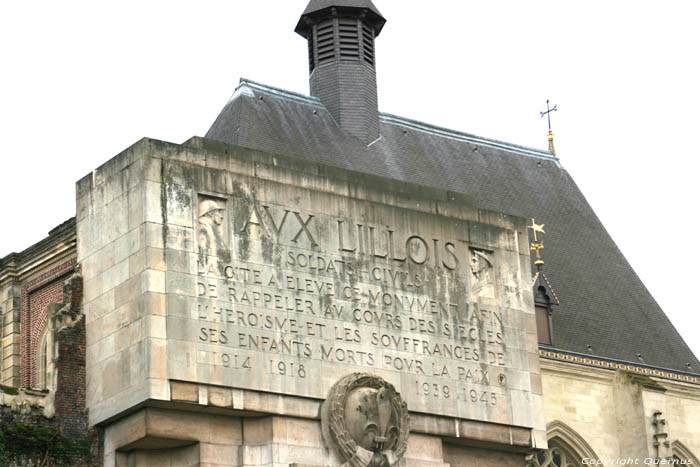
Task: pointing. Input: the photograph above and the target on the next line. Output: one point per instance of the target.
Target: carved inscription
(291, 300)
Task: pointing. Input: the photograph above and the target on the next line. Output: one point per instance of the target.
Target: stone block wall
(680, 415)
(613, 411)
(465, 456)
(120, 248)
(195, 438)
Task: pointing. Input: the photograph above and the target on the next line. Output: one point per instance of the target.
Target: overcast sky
(82, 80)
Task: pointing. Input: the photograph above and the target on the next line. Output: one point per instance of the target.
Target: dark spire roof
(542, 288)
(318, 8)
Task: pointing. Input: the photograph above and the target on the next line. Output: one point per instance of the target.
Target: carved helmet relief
(211, 223)
(481, 265)
(366, 421)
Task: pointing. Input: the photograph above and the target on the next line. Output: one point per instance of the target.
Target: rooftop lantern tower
(342, 71)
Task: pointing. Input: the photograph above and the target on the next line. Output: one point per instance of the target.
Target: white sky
(82, 80)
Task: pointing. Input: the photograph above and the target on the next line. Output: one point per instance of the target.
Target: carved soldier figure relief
(482, 271)
(212, 229)
(366, 420)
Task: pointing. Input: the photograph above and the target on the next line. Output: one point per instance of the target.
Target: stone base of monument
(160, 437)
(236, 428)
(174, 438)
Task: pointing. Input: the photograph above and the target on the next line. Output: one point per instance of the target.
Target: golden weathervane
(536, 246)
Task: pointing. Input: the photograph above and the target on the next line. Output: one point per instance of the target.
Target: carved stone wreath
(366, 420)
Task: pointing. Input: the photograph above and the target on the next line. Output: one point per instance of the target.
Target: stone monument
(225, 287)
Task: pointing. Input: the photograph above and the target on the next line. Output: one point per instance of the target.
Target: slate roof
(603, 302)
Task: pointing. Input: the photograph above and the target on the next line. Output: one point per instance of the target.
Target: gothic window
(542, 317)
(545, 299)
(42, 361)
(556, 456)
(683, 454)
(566, 448)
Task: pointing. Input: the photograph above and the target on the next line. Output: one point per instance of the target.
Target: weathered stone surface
(187, 392)
(463, 456)
(319, 281)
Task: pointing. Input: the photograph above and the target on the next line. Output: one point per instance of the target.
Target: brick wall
(60, 285)
(37, 294)
(70, 367)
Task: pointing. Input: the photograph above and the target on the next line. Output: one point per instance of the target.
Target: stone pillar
(634, 420)
(120, 247)
(10, 306)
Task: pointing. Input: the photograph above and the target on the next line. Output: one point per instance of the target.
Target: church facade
(316, 283)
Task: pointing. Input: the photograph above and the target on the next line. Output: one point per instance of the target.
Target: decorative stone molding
(683, 453)
(567, 448)
(561, 431)
(661, 442)
(553, 457)
(599, 362)
(366, 421)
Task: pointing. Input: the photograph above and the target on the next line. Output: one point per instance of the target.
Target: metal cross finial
(542, 114)
(536, 246)
(536, 228)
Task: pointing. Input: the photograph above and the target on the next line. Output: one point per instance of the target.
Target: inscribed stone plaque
(287, 290)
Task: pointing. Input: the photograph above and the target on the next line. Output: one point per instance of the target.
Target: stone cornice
(60, 243)
(603, 363)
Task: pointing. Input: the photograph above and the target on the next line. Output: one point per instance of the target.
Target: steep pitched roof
(603, 302)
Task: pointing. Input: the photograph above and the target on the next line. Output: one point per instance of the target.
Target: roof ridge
(249, 85)
(463, 136)
(279, 92)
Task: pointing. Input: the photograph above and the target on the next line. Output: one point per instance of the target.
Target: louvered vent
(312, 59)
(349, 41)
(368, 43)
(342, 62)
(324, 39)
